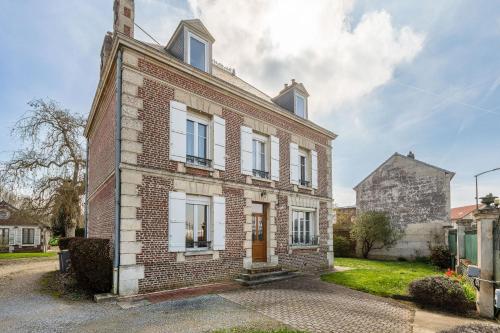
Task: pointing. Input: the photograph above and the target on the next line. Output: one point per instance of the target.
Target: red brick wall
(101, 166)
(161, 269)
(101, 211)
(156, 127)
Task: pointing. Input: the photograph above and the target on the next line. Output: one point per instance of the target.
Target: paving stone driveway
(309, 304)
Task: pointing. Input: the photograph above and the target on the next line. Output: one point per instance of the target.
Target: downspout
(118, 126)
(86, 219)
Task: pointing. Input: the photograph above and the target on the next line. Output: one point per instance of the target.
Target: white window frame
(297, 96)
(305, 154)
(313, 225)
(201, 40)
(265, 140)
(198, 120)
(199, 200)
(22, 236)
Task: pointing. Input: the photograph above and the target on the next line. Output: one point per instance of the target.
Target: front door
(259, 232)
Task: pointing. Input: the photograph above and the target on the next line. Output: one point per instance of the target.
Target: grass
(383, 278)
(21, 255)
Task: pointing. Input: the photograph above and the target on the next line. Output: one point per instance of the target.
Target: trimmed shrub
(441, 257)
(91, 262)
(64, 242)
(441, 292)
(341, 246)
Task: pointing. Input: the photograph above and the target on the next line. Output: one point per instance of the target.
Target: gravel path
(24, 309)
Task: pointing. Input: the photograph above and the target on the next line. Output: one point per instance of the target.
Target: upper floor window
(304, 168)
(198, 52)
(300, 106)
(260, 156)
(197, 141)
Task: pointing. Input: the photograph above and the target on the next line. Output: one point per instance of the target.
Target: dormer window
(198, 52)
(300, 106)
(293, 98)
(192, 44)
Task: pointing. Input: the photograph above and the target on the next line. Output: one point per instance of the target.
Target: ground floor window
(4, 236)
(303, 228)
(197, 222)
(28, 236)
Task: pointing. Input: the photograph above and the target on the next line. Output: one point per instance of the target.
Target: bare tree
(51, 164)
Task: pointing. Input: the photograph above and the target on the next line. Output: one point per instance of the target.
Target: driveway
(305, 303)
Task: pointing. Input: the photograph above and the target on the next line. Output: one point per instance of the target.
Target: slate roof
(15, 218)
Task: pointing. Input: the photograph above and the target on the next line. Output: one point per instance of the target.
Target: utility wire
(147, 34)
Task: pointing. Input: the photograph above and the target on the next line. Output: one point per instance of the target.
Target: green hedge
(92, 264)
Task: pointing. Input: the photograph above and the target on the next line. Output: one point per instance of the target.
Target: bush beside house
(441, 292)
(91, 262)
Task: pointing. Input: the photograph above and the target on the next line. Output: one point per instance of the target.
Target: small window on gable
(197, 52)
(300, 106)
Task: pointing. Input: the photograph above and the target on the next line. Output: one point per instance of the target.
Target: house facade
(18, 233)
(196, 175)
(416, 197)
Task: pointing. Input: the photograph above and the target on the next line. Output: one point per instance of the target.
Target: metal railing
(199, 244)
(313, 240)
(195, 160)
(260, 173)
(305, 183)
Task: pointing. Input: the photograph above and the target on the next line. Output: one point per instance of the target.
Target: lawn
(383, 278)
(21, 255)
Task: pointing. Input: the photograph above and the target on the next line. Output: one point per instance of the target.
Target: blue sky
(385, 76)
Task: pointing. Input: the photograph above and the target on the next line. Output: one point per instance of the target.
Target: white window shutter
(37, 236)
(275, 158)
(219, 210)
(176, 221)
(246, 150)
(177, 131)
(219, 143)
(314, 169)
(294, 163)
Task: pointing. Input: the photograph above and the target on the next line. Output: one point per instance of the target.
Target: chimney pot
(411, 155)
(293, 81)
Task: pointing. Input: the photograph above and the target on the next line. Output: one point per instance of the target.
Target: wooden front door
(259, 233)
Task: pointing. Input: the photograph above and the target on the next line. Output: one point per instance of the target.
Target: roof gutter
(118, 126)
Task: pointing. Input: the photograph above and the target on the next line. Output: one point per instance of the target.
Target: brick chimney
(123, 11)
(106, 49)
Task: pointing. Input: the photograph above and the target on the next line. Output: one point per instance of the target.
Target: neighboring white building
(17, 233)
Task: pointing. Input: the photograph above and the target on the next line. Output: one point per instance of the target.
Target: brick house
(416, 196)
(193, 173)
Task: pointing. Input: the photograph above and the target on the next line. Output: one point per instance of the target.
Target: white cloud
(269, 42)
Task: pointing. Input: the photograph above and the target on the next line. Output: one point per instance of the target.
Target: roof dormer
(192, 43)
(293, 98)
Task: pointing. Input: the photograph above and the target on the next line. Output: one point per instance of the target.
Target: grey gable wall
(415, 196)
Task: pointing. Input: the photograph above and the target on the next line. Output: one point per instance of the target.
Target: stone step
(262, 269)
(249, 283)
(256, 276)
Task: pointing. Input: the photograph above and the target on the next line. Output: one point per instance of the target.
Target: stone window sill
(200, 167)
(305, 187)
(304, 247)
(198, 253)
(263, 180)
